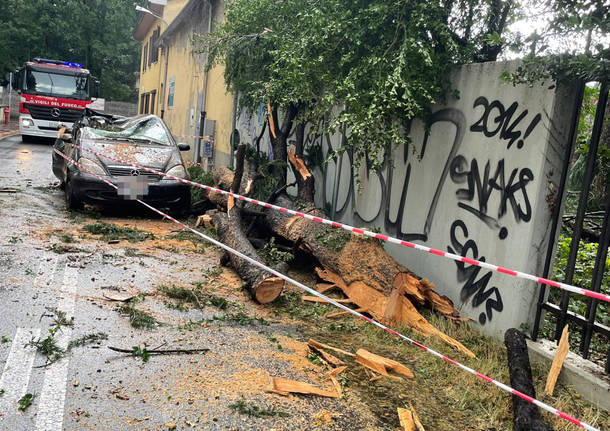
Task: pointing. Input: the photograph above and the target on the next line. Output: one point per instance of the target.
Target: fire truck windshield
(73, 86)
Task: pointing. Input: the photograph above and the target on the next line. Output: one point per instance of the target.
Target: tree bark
(362, 269)
(263, 286)
(526, 415)
(279, 139)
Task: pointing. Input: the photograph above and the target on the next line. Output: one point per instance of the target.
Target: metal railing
(586, 323)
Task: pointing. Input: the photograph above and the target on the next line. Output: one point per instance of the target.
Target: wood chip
(118, 297)
(314, 343)
(560, 356)
(382, 365)
(119, 394)
(375, 378)
(406, 419)
(333, 360)
(205, 219)
(292, 386)
(418, 423)
(325, 287)
(336, 371)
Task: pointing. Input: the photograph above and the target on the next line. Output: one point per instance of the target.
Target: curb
(7, 134)
(584, 375)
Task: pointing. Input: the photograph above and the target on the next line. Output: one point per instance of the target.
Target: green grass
(111, 232)
(250, 409)
(443, 395)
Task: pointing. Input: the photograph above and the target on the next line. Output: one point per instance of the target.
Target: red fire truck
(53, 94)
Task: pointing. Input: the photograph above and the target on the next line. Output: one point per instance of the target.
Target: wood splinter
(292, 386)
(560, 356)
(381, 365)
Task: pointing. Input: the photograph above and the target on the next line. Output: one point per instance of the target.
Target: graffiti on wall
(494, 192)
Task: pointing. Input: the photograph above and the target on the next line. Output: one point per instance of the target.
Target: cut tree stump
(526, 415)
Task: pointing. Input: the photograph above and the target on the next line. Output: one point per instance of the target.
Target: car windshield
(56, 84)
(148, 129)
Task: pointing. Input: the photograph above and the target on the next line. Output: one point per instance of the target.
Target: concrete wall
(121, 108)
(481, 184)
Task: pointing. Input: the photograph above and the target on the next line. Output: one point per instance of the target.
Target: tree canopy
(95, 33)
(373, 65)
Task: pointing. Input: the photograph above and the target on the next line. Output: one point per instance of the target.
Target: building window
(142, 104)
(170, 97)
(145, 57)
(154, 49)
(146, 100)
(153, 96)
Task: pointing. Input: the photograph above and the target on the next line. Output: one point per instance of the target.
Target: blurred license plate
(132, 188)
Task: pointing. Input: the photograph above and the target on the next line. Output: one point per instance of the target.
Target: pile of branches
(357, 266)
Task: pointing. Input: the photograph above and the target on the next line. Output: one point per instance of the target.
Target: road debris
(409, 421)
(333, 360)
(118, 392)
(118, 297)
(161, 352)
(293, 386)
(382, 365)
(560, 356)
(314, 343)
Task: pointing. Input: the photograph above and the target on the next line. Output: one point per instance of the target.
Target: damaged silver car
(143, 140)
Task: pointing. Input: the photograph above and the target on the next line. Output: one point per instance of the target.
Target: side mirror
(184, 147)
(96, 88)
(66, 137)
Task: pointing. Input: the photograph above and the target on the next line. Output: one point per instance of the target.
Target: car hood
(150, 156)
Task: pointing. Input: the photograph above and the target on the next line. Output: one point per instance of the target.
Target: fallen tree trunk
(526, 415)
(263, 286)
(363, 270)
(360, 267)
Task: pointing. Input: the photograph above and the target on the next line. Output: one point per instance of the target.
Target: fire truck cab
(53, 94)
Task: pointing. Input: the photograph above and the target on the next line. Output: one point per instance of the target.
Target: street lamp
(143, 9)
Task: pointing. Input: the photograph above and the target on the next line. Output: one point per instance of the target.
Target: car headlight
(26, 122)
(177, 171)
(91, 166)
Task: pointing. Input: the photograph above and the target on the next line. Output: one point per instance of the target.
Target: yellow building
(173, 80)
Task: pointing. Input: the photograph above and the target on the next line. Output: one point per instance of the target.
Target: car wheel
(72, 201)
(27, 139)
(181, 211)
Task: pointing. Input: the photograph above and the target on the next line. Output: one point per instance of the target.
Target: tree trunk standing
(526, 415)
(279, 140)
(363, 270)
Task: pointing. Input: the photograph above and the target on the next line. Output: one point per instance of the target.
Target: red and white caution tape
(487, 265)
(314, 292)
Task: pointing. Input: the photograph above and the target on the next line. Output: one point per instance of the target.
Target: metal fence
(583, 314)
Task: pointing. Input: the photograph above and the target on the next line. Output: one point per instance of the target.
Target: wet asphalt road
(95, 388)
